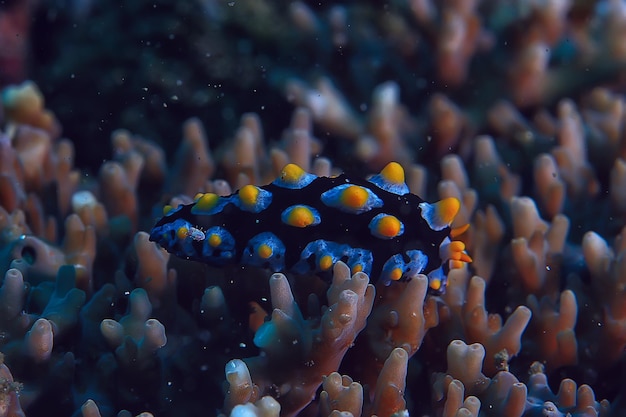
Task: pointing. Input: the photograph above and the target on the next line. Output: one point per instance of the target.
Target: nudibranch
(304, 223)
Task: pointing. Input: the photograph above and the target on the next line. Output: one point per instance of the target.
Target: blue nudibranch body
(303, 223)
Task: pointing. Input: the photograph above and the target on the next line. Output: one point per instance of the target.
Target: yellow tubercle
(166, 209)
(215, 240)
(395, 274)
(249, 195)
(393, 173)
(354, 197)
(455, 252)
(435, 284)
(291, 173)
(457, 246)
(300, 216)
(182, 233)
(264, 251)
(389, 226)
(207, 201)
(447, 209)
(326, 262)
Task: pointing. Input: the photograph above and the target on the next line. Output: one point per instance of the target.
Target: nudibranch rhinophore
(303, 223)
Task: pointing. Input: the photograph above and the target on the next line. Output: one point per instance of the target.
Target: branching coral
(553, 330)
(398, 320)
(311, 348)
(568, 399)
(516, 111)
(297, 351)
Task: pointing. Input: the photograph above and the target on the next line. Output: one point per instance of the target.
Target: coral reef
(515, 109)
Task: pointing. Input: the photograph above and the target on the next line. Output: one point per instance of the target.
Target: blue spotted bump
(303, 223)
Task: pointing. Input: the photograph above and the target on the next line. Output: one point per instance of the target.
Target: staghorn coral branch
(341, 393)
(312, 348)
(553, 329)
(487, 329)
(389, 394)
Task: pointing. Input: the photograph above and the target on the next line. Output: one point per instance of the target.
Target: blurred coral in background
(15, 23)
(516, 108)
